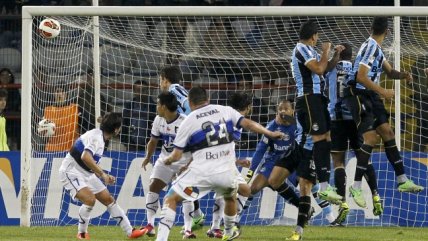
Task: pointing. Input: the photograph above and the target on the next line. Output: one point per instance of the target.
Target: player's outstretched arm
(150, 150)
(319, 67)
(175, 155)
(394, 74)
(253, 126)
(362, 78)
(89, 161)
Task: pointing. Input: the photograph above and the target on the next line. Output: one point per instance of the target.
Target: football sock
(394, 157)
(218, 212)
(325, 205)
(370, 176)
(84, 216)
(229, 223)
(197, 211)
(152, 206)
(286, 192)
(321, 154)
(340, 181)
(363, 156)
(304, 207)
(118, 214)
(241, 200)
(188, 207)
(165, 224)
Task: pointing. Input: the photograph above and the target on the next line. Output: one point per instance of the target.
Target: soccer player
(299, 159)
(363, 99)
(170, 77)
(242, 102)
(80, 175)
(270, 151)
(311, 105)
(164, 128)
(344, 129)
(208, 134)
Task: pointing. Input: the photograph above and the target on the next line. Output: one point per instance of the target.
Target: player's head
(111, 123)
(197, 97)
(285, 112)
(242, 102)
(380, 25)
(167, 103)
(309, 31)
(169, 75)
(346, 54)
(3, 99)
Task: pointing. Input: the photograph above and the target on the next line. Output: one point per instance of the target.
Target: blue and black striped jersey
(371, 56)
(307, 81)
(335, 78)
(181, 94)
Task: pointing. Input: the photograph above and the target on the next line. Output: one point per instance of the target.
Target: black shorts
(312, 114)
(367, 109)
(343, 131)
(301, 161)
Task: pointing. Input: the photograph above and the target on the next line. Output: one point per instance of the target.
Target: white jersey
(92, 141)
(208, 133)
(165, 131)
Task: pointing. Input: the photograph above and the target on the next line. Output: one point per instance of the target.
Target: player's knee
(156, 185)
(244, 190)
(107, 200)
(89, 200)
(274, 183)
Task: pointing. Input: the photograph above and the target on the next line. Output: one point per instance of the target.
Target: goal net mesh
(224, 55)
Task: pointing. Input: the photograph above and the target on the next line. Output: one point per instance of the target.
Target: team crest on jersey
(315, 127)
(192, 192)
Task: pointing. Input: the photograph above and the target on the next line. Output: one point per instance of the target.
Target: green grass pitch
(250, 233)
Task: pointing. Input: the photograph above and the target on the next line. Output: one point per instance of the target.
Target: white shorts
(74, 179)
(239, 179)
(191, 185)
(165, 173)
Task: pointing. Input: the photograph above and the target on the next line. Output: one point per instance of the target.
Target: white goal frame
(27, 21)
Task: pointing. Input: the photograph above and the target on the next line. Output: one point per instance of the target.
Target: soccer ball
(46, 128)
(49, 28)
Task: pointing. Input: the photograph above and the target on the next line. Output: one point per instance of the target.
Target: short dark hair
(197, 95)
(379, 25)
(3, 93)
(171, 73)
(169, 100)
(110, 122)
(240, 100)
(308, 29)
(346, 54)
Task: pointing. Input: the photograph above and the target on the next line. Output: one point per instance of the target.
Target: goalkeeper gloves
(249, 176)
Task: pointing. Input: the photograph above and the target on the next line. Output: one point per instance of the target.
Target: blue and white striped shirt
(307, 81)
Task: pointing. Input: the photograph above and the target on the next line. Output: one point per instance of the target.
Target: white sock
(229, 222)
(152, 206)
(187, 209)
(323, 186)
(218, 212)
(197, 213)
(84, 217)
(241, 200)
(356, 185)
(165, 224)
(117, 213)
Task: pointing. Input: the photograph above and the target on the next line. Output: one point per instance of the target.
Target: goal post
(262, 50)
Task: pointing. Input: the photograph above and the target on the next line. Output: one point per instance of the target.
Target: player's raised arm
(395, 74)
(336, 56)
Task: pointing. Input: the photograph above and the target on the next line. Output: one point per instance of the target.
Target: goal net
(224, 54)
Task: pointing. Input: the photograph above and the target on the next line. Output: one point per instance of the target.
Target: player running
(208, 133)
(80, 174)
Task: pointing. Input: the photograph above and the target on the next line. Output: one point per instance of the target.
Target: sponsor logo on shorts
(214, 156)
(191, 191)
(315, 127)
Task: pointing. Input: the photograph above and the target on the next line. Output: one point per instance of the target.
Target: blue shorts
(267, 168)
